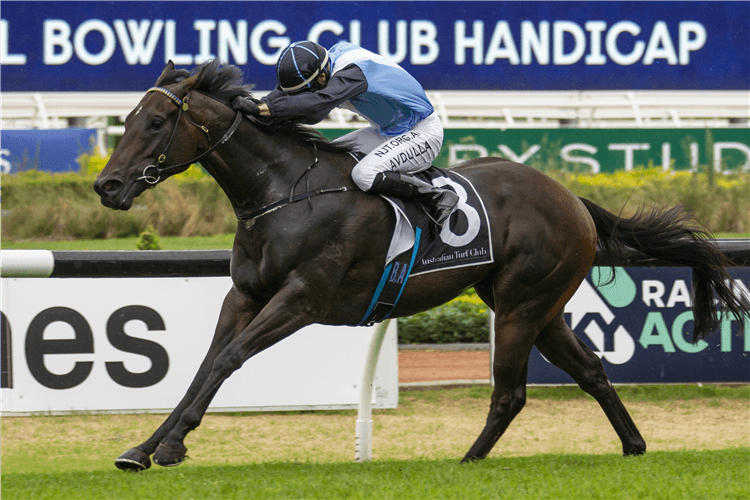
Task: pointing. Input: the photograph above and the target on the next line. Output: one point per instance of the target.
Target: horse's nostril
(111, 185)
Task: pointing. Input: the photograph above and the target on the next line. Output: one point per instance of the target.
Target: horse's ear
(191, 82)
(167, 70)
(194, 80)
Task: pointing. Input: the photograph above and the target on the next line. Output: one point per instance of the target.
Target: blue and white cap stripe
(289, 52)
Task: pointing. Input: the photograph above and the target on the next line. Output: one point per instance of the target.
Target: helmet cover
(299, 66)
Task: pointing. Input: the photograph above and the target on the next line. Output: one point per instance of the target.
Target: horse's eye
(157, 123)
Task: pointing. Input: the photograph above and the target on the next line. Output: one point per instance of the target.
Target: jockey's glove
(248, 106)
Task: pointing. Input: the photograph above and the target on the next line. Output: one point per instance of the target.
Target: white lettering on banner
(462, 42)
(170, 46)
(423, 34)
(511, 155)
(458, 153)
(204, 27)
(355, 30)
(236, 42)
(588, 148)
(323, 26)
(79, 42)
(595, 56)
(679, 293)
(687, 43)
(652, 290)
(721, 146)
(629, 148)
(57, 34)
(277, 42)
(569, 43)
(535, 41)
(660, 46)
(138, 39)
(611, 43)
(559, 29)
(455, 149)
(560, 42)
(502, 45)
(5, 57)
(384, 41)
(666, 154)
(5, 164)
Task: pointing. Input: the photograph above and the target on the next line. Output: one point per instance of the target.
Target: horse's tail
(665, 235)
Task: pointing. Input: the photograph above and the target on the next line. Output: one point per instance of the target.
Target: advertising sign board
(130, 344)
(599, 150)
(640, 326)
(116, 46)
(48, 150)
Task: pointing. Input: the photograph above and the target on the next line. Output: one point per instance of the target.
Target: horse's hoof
(166, 456)
(471, 459)
(634, 452)
(634, 449)
(133, 460)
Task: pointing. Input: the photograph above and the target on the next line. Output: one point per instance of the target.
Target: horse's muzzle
(110, 191)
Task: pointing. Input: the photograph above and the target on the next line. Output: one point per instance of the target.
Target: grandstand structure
(501, 110)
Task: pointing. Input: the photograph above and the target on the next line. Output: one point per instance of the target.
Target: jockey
(405, 134)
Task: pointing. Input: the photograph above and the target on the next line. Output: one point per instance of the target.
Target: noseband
(154, 177)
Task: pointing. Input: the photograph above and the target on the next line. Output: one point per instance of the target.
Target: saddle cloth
(419, 247)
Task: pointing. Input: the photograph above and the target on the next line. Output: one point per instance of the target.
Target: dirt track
(577, 426)
(439, 426)
(437, 365)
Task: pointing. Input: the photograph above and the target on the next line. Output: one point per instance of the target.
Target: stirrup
(437, 202)
(445, 206)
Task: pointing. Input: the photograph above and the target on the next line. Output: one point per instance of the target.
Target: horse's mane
(224, 82)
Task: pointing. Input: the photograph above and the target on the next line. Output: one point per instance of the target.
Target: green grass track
(668, 475)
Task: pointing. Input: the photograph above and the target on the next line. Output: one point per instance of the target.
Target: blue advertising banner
(641, 326)
(123, 46)
(46, 150)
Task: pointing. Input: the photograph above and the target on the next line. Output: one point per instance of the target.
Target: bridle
(182, 104)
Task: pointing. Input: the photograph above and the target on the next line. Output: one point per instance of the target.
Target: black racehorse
(318, 261)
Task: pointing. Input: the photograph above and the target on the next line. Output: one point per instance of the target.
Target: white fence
(457, 109)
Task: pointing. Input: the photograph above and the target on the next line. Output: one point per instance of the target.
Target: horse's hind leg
(514, 339)
(564, 349)
(237, 312)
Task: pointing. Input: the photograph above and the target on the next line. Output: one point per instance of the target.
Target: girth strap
(293, 199)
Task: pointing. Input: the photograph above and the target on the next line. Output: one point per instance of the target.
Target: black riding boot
(438, 203)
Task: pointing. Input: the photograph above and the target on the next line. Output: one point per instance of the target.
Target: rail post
(363, 430)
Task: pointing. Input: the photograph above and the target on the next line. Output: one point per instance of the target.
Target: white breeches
(411, 152)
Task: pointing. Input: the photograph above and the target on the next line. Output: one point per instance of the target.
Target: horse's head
(160, 140)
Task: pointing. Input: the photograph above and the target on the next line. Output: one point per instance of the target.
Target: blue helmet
(299, 66)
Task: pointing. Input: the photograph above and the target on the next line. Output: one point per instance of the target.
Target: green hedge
(64, 206)
(721, 203)
(465, 319)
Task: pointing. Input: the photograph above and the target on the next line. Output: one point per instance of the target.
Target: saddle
(416, 248)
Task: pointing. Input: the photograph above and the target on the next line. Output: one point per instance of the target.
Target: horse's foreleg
(236, 313)
(565, 350)
(280, 318)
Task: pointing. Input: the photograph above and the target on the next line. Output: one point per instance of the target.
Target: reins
(182, 104)
(295, 198)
